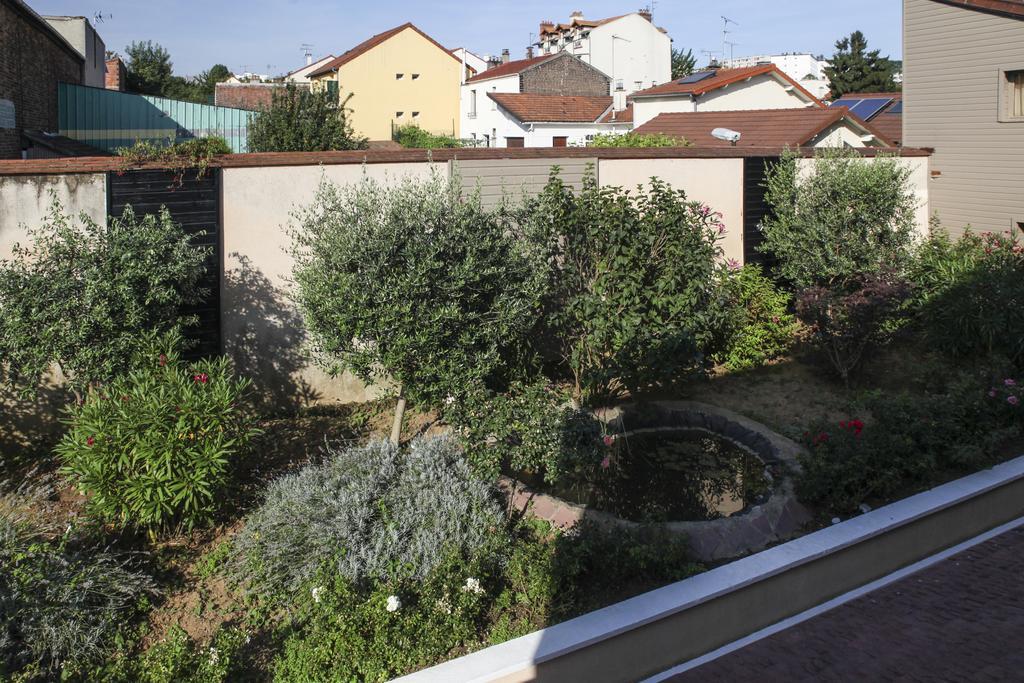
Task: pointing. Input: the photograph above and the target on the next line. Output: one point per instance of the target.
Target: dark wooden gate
(755, 209)
(194, 203)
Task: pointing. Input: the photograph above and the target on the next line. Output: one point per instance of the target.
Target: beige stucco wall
(25, 201)
(953, 59)
(262, 329)
(715, 182)
(377, 94)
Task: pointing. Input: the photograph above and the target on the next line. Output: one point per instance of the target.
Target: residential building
(634, 52)
(84, 38)
(805, 68)
(883, 110)
(804, 127)
(398, 77)
(34, 58)
(757, 87)
(475, 64)
(301, 75)
(963, 63)
(550, 100)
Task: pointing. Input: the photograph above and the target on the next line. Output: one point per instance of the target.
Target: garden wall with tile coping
(260, 324)
(778, 518)
(655, 631)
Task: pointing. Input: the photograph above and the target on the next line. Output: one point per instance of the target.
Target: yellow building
(398, 77)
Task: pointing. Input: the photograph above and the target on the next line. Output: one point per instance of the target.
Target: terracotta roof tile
(511, 68)
(889, 125)
(624, 116)
(1010, 8)
(759, 127)
(722, 78)
(371, 43)
(528, 107)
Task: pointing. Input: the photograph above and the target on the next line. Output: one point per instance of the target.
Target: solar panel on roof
(870, 106)
(697, 77)
(846, 101)
(896, 108)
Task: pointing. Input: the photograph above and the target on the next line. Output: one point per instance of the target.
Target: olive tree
(841, 217)
(417, 283)
(80, 294)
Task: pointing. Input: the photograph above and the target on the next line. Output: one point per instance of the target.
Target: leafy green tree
(80, 295)
(854, 69)
(205, 83)
(634, 139)
(683, 63)
(415, 283)
(149, 68)
(302, 121)
(843, 218)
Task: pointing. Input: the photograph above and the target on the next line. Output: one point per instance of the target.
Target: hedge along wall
(260, 326)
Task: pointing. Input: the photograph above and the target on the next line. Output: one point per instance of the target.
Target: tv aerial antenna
(725, 32)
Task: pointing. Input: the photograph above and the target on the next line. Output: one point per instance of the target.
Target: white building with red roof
(758, 87)
(630, 48)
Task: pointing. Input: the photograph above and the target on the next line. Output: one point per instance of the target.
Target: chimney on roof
(505, 56)
(646, 14)
(116, 77)
(309, 59)
(576, 14)
(529, 52)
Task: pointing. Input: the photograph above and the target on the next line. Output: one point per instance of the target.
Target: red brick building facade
(33, 59)
(117, 75)
(251, 96)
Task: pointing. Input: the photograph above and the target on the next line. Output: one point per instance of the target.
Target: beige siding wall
(513, 178)
(952, 59)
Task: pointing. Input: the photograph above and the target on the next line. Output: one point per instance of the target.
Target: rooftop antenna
(725, 32)
(307, 51)
(100, 17)
(732, 54)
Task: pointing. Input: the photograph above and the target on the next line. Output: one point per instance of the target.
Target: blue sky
(265, 36)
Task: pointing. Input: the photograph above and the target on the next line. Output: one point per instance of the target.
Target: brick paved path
(960, 620)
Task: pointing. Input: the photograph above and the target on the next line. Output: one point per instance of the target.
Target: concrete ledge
(663, 628)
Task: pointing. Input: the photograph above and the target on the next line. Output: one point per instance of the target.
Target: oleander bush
(634, 299)
(368, 512)
(764, 329)
(62, 600)
(970, 295)
(909, 441)
(155, 447)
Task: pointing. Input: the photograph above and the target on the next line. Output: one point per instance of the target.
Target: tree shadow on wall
(268, 344)
(29, 428)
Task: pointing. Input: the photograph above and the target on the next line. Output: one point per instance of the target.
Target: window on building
(559, 141)
(472, 104)
(494, 105)
(415, 76)
(332, 88)
(1011, 95)
(399, 77)
(415, 114)
(514, 142)
(399, 114)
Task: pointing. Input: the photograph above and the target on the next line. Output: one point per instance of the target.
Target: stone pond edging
(777, 519)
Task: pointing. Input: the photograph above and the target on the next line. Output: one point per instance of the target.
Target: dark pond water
(665, 476)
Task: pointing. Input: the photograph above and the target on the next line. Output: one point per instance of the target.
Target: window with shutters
(1011, 95)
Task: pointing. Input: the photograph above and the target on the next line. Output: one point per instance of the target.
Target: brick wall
(32, 61)
(251, 96)
(564, 76)
(116, 77)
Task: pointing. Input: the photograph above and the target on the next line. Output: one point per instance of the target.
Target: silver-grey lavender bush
(368, 511)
